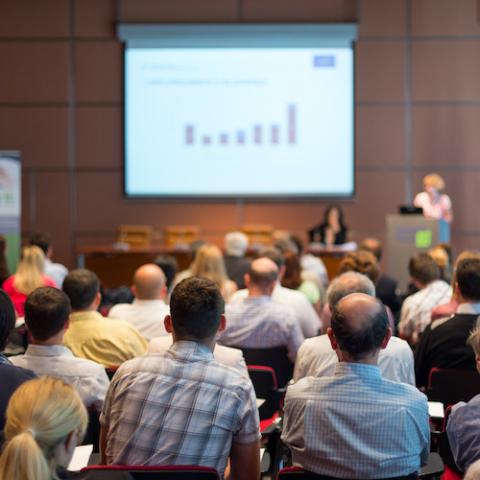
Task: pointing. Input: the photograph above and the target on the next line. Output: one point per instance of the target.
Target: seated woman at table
(332, 231)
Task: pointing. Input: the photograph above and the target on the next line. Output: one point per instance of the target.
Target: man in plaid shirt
(182, 407)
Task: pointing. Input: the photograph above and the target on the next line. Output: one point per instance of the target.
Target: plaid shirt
(181, 407)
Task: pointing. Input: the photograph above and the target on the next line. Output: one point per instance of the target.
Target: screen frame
(124, 31)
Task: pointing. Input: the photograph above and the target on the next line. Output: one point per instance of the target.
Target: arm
(244, 461)
(103, 444)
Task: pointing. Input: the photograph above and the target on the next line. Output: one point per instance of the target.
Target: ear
(246, 278)
(386, 339)
(281, 272)
(223, 323)
(331, 337)
(133, 290)
(477, 363)
(66, 324)
(168, 323)
(98, 299)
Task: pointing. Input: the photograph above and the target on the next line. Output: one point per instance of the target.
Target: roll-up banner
(11, 204)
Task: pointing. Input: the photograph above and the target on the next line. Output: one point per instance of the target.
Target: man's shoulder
(316, 345)
(396, 345)
(15, 374)
(120, 308)
(453, 322)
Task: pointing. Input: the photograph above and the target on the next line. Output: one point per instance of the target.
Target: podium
(408, 235)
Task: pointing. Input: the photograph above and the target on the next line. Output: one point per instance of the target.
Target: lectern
(406, 236)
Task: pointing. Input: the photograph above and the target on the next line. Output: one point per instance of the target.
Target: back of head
(273, 254)
(40, 416)
(361, 262)
(41, 240)
(372, 245)
(292, 278)
(263, 274)
(149, 281)
(298, 242)
(29, 274)
(169, 266)
(81, 287)
(209, 264)
(46, 312)
(468, 279)
(360, 324)
(236, 244)
(423, 269)
(7, 319)
(347, 283)
(196, 306)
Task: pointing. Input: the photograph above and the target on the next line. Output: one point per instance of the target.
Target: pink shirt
(19, 298)
(438, 207)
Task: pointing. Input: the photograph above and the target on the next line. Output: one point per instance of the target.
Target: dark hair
(196, 306)
(423, 268)
(292, 277)
(273, 254)
(81, 286)
(372, 245)
(41, 240)
(7, 319)
(169, 266)
(46, 311)
(468, 278)
(360, 342)
(297, 241)
(361, 261)
(341, 218)
(261, 278)
(3, 259)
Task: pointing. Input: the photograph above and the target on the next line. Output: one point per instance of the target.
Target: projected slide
(239, 121)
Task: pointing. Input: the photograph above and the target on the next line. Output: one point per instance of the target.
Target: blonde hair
(29, 274)
(435, 180)
(474, 340)
(40, 416)
(209, 264)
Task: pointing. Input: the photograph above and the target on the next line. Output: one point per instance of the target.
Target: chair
(291, 473)
(275, 357)
(180, 236)
(135, 235)
(449, 385)
(258, 235)
(177, 472)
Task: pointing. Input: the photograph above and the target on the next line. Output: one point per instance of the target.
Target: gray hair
(347, 283)
(236, 243)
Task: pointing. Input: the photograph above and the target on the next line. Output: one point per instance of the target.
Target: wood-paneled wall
(417, 110)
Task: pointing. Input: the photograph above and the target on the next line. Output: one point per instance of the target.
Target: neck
(55, 340)
(208, 342)
(367, 360)
(254, 291)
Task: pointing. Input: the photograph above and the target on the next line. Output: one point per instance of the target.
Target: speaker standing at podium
(433, 201)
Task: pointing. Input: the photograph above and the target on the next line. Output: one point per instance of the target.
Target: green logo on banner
(423, 239)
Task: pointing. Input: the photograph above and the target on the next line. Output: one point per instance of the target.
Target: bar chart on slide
(256, 134)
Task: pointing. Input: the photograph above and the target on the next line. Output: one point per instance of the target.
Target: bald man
(148, 310)
(258, 322)
(357, 424)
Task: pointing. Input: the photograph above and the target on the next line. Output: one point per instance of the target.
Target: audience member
(183, 407)
(357, 424)
(92, 336)
(209, 264)
(442, 260)
(433, 201)
(29, 276)
(417, 308)
(462, 426)
(316, 357)
(237, 265)
(257, 321)
(443, 343)
(46, 419)
(148, 310)
(385, 286)
(169, 266)
(304, 312)
(195, 246)
(56, 271)
(332, 231)
(473, 472)
(3, 260)
(10, 376)
(46, 316)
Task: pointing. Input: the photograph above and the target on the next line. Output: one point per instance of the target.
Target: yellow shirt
(106, 341)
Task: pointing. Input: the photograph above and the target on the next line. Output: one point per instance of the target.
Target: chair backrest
(264, 382)
(449, 385)
(177, 472)
(135, 235)
(276, 358)
(288, 473)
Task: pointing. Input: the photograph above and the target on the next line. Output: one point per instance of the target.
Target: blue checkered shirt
(356, 424)
(180, 407)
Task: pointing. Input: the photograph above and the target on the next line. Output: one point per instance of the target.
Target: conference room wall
(417, 110)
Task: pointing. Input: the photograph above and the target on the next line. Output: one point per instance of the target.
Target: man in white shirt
(55, 271)
(316, 357)
(417, 308)
(305, 314)
(148, 310)
(46, 315)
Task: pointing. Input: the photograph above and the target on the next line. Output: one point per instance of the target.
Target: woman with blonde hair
(434, 202)
(46, 419)
(209, 264)
(29, 276)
